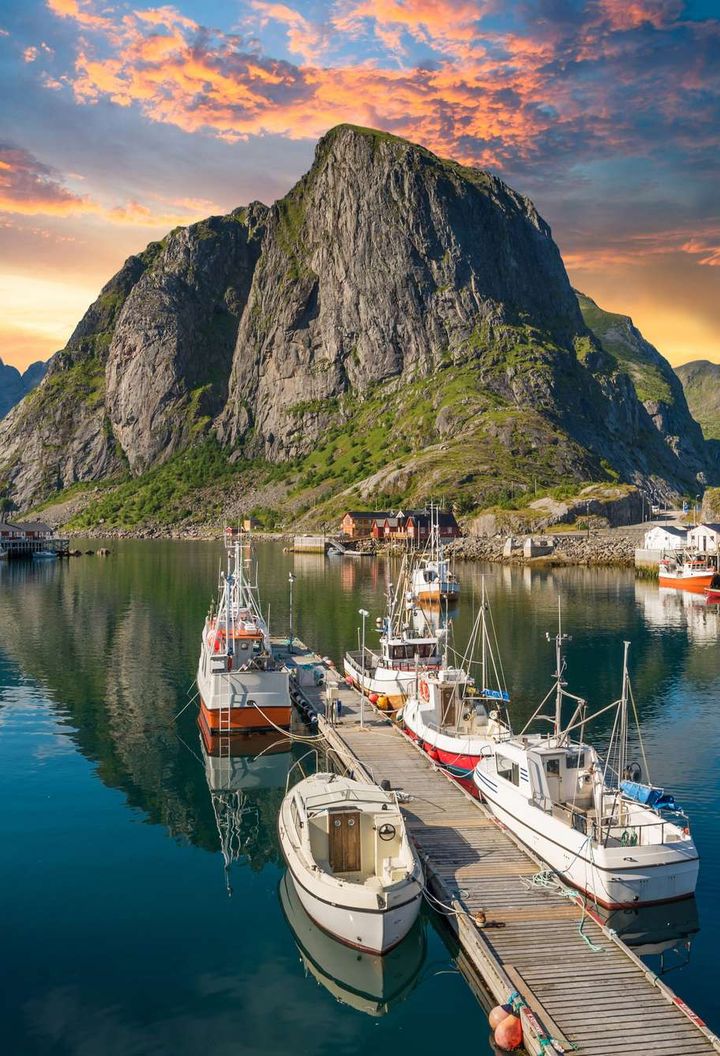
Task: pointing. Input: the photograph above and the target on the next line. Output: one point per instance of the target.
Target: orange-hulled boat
(689, 574)
(712, 592)
(241, 686)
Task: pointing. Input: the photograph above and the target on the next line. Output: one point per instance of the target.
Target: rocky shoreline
(607, 549)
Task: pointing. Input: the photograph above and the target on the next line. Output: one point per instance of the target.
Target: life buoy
(424, 691)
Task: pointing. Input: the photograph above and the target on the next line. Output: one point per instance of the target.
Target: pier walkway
(582, 987)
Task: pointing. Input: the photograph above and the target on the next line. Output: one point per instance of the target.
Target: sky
(121, 120)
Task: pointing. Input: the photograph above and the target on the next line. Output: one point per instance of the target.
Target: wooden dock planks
(597, 1002)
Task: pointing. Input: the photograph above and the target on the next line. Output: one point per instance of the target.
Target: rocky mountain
(397, 325)
(14, 385)
(701, 383)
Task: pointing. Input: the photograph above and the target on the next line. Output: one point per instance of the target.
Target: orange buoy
(509, 1033)
(498, 1014)
(348, 680)
(373, 698)
(382, 701)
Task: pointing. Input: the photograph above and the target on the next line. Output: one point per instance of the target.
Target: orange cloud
(304, 38)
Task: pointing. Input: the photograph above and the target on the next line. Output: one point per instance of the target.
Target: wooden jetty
(583, 990)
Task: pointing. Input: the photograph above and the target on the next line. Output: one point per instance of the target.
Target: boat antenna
(559, 669)
(484, 636)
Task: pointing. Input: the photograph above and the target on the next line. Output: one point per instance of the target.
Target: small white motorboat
(44, 555)
(347, 850)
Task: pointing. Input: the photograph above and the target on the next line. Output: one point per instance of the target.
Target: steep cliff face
(654, 382)
(385, 262)
(171, 351)
(145, 370)
(397, 324)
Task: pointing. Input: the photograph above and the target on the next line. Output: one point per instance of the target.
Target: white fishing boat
(347, 850)
(406, 648)
(367, 982)
(433, 580)
(44, 555)
(449, 717)
(620, 842)
(241, 686)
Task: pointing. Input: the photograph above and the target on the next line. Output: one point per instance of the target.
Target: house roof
(33, 526)
(371, 515)
(669, 529)
(713, 526)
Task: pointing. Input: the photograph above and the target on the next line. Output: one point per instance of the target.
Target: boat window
(295, 814)
(425, 650)
(552, 766)
(507, 769)
(573, 760)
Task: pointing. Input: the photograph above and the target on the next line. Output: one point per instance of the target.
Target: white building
(665, 537)
(705, 538)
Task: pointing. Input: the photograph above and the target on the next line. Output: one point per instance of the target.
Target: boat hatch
(344, 841)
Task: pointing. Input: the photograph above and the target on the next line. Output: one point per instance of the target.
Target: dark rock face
(172, 347)
(383, 261)
(384, 268)
(14, 385)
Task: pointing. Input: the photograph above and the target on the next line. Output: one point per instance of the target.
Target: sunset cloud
(489, 97)
(30, 188)
(606, 112)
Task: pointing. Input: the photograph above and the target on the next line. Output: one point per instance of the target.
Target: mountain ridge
(397, 324)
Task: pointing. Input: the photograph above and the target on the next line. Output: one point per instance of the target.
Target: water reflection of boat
(246, 776)
(245, 760)
(656, 930)
(364, 981)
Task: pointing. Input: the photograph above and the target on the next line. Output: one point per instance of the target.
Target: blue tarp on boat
(649, 795)
(496, 694)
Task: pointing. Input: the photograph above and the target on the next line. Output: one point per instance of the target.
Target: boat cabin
(449, 700)
(354, 836)
(552, 776)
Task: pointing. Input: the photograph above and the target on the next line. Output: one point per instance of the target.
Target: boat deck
(591, 995)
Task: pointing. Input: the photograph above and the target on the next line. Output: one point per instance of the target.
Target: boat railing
(373, 660)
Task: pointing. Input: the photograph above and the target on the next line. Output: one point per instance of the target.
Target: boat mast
(484, 637)
(622, 743)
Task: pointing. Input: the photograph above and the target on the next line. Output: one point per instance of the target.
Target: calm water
(122, 932)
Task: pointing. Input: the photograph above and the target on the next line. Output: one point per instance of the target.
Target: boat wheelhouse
(241, 685)
(354, 869)
(407, 648)
(620, 842)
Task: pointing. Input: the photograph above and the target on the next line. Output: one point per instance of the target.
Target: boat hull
(666, 877)
(244, 719)
(695, 583)
(371, 931)
(395, 685)
(369, 983)
(458, 756)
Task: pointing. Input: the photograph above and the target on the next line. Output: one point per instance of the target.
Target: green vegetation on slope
(445, 437)
(701, 383)
(617, 337)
